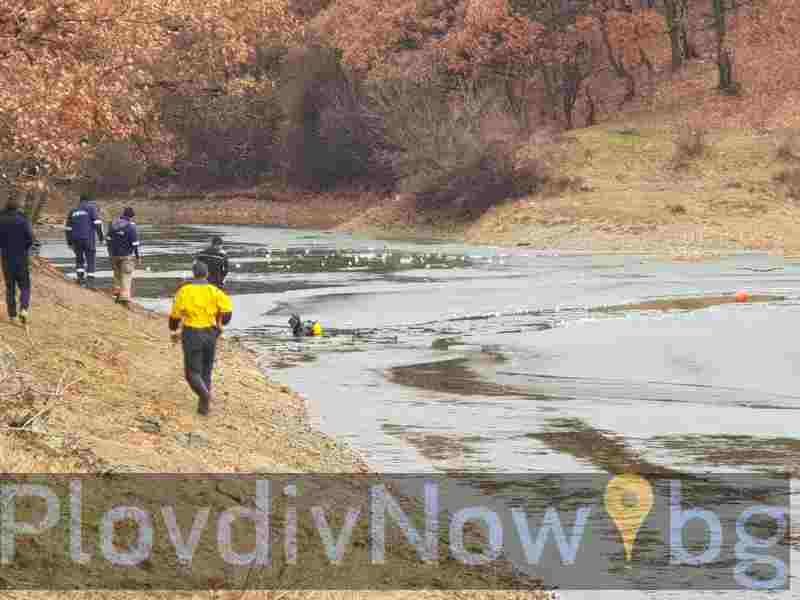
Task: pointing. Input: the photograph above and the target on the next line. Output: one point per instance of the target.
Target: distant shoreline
(612, 193)
(392, 218)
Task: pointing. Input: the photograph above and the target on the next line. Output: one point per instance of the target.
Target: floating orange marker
(742, 296)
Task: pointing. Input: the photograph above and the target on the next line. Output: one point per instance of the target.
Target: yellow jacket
(200, 305)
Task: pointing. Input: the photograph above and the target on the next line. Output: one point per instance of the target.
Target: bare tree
(563, 78)
(617, 63)
(719, 23)
(574, 71)
(591, 116)
(676, 13)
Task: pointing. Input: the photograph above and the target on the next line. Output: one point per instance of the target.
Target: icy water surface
(442, 357)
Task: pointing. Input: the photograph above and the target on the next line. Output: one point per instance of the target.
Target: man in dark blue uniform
(123, 245)
(16, 241)
(83, 223)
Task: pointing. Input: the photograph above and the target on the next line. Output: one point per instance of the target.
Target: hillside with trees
(460, 104)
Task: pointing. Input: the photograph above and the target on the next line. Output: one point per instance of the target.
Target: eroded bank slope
(125, 406)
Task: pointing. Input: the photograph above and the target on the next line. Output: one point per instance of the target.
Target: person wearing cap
(82, 225)
(202, 309)
(216, 259)
(123, 248)
(16, 241)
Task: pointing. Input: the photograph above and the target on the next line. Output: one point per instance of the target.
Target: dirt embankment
(263, 206)
(92, 387)
(125, 406)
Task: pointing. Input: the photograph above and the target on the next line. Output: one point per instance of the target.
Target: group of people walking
(201, 307)
(83, 228)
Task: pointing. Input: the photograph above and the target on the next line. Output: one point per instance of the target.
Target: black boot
(203, 405)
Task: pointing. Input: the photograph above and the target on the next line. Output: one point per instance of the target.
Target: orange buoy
(742, 296)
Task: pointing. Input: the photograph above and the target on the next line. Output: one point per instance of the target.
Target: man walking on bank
(83, 223)
(217, 260)
(203, 309)
(123, 248)
(16, 241)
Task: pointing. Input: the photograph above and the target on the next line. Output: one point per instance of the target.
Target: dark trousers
(85, 258)
(17, 275)
(199, 349)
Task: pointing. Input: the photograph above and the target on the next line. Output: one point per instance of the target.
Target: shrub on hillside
(228, 138)
(330, 136)
(443, 154)
(690, 144)
(486, 177)
(114, 167)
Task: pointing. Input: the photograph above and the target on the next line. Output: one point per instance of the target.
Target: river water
(442, 357)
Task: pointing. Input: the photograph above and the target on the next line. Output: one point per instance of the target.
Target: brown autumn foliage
(73, 74)
(213, 93)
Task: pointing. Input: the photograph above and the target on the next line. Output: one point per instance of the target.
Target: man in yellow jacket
(203, 309)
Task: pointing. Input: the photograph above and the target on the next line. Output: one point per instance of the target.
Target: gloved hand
(175, 337)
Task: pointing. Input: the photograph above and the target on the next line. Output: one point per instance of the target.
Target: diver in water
(307, 329)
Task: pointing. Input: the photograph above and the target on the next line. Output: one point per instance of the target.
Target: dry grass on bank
(722, 195)
(122, 370)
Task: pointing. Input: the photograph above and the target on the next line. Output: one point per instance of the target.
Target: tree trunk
(36, 197)
(676, 13)
(568, 97)
(647, 62)
(550, 91)
(518, 101)
(591, 118)
(616, 62)
(689, 50)
(41, 204)
(674, 31)
(29, 203)
(727, 83)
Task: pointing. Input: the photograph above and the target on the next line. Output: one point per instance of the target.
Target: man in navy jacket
(16, 241)
(83, 223)
(123, 245)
